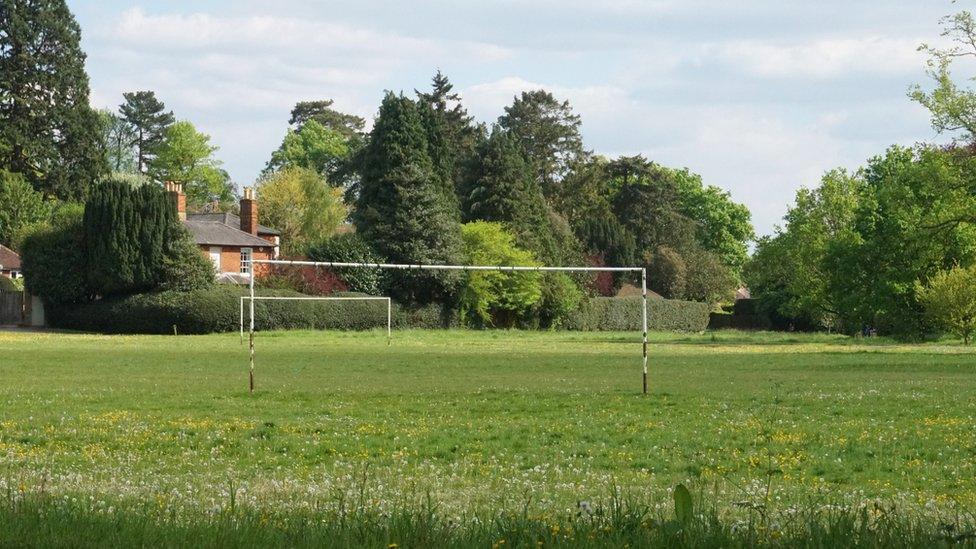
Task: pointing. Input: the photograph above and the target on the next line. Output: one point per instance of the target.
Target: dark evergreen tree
(401, 210)
(451, 132)
(349, 125)
(50, 133)
(499, 186)
(148, 119)
(549, 132)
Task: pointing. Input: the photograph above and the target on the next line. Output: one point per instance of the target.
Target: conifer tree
(401, 209)
(148, 119)
(49, 132)
(451, 132)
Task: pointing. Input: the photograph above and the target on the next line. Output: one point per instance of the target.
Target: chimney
(249, 212)
(175, 191)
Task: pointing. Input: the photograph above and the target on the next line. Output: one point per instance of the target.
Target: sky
(760, 97)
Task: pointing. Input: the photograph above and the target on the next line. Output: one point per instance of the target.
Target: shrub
(950, 302)
(624, 314)
(20, 206)
(560, 296)
(666, 272)
(53, 261)
(184, 268)
(304, 279)
(496, 298)
(350, 248)
(10, 285)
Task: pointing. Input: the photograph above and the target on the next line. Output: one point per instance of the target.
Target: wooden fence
(11, 307)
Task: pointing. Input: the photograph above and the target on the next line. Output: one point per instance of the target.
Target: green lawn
(482, 423)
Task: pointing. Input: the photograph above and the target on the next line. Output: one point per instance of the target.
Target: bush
(53, 261)
(217, 309)
(624, 314)
(560, 296)
(8, 284)
(496, 298)
(350, 248)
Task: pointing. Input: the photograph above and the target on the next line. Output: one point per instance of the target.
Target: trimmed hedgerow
(218, 310)
(624, 313)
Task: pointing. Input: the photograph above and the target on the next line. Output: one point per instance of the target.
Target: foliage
(322, 113)
(953, 108)
(313, 147)
(8, 284)
(549, 133)
(118, 135)
(48, 131)
(350, 248)
(305, 279)
(53, 261)
(451, 132)
(146, 124)
(134, 242)
(301, 204)
(186, 156)
(624, 313)
(787, 271)
(560, 297)
(20, 207)
(949, 300)
(401, 210)
(495, 298)
(667, 273)
(707, 279)
(499, 186)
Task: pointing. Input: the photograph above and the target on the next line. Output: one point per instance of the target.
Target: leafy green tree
(49, 132)
(707, 278)
(549, 132)
(495, 298)
(321, 111)
(649, 207)
(148, 121)
(953, 107)
(312, 146)
(787, 273)
(20, 207)
(950, 302)
(906, 228)
(186, 156)
(667, 273)
(350, 248)
(401, 210)
(118, 136)
(301, 204)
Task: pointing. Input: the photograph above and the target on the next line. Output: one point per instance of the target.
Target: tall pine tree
(148, 119)
(451, 132)
(402, 210)
(50, 133)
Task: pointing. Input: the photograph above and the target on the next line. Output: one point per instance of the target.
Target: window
(246, 261)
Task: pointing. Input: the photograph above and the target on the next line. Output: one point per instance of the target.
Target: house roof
(9, 260)
(230, 220)
(216, 233)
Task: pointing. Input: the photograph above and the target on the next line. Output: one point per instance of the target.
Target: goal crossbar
(389, 307)
(437, 267)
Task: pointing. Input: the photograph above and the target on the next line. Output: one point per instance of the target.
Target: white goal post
(389, 307)
(419, 266)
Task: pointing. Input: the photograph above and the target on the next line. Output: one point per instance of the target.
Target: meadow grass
(470, 438)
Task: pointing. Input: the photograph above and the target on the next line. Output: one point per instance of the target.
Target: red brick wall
(230, 257)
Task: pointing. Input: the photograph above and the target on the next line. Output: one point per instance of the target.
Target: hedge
(217, 310)
(624, 314)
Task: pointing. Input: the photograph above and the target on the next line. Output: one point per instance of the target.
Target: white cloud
(822, 58)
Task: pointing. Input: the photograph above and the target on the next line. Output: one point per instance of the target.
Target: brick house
(229, 241)
(9, 262)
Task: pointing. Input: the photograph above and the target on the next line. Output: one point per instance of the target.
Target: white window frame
(246, 255)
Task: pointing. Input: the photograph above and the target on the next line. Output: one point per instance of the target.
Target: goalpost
(389, 307)
(405, 266)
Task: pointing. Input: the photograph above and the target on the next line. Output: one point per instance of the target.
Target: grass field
(114, 436)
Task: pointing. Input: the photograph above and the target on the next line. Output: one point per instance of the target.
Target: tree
(650, 208)
(402, 211)
(301, 204)
(787, 273)
(186, 156)
(49, 132)
(312, 146)
(321, 111)
(118, 136)
(953, 108)
(350, 248)
(148, 121)
(134, 242)
(666, 272)
(53, 261)
(499, 186)
(20, 207)
(548, 130)
(451, 132)
(950, 302)
(495, 298)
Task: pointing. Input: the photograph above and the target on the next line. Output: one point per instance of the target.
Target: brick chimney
(249, 212)
(175, 192)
